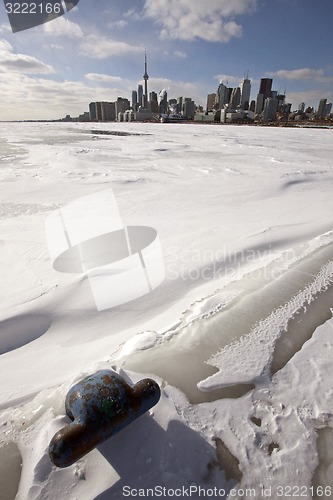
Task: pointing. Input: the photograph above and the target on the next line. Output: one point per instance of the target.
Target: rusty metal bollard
(99, 406)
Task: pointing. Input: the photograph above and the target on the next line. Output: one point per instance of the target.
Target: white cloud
(232, 79)
(5, 28)
(99, 77)
(133, 15)
(298, 74)
(121, 24)
(227, 79)
(102, 47)
(303, 74)
(11, 62)
(180, 53)
(91, 45)
(62, 27)
(41, 98)
(192, 19)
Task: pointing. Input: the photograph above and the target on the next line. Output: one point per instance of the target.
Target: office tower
(121, 105)
(270, 109)
(286, 108)
(253, 106)
(92, 111)
(281, 100)
(222, 96)
(153, 96)
(145, 77)
(134, 99)
(321, 108)
(210, 102)
(245, 87)
(259, 104)
(98, 111)
(108, 111)
(328, 108)
(152, 104)
(189, 108)
(266, 87)
(179, 106)
(235, 98)
(144, 101)
(301, 107)
(140, 94)
(163, 101)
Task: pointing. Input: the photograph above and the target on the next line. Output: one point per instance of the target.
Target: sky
(95, 52)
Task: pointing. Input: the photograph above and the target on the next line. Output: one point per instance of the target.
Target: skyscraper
(222, 96)
(270, 109)
(163, 101)
(266, 87)
(134, 99)
(259, 103)
(235, 98)
(245, 87)
(92, 111)
(140, 94)
(321, 108)
(210, 102)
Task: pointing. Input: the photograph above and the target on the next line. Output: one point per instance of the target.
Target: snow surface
(239, 335)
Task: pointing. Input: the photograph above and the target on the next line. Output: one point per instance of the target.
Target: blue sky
(96, 52)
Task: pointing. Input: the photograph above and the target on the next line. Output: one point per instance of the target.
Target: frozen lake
(237, 329)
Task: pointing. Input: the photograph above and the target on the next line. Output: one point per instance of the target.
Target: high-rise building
(301, 107)
(266, 87)
(163, 101)
(134, 99)
(245, 87)
(321, 108)
(140, 94)
(328, 108)
(108, 111)
(222, 96)
(92, 111)
(281, 100)
(98, 111)
(270, 109)
(179, 106)
(121, 105)
(235, 98)
(188, 108)
(152, 104)
(211, 98)
(259, 104)
(173, 105)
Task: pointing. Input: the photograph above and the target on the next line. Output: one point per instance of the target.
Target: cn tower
(145, 77)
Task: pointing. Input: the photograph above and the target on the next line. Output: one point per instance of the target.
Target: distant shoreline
(190, 122)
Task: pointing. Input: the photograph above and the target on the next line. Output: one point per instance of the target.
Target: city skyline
(91, 54)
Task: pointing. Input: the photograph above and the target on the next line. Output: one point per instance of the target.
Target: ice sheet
(244, 216)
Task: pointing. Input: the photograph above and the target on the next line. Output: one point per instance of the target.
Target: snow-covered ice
(239, 335)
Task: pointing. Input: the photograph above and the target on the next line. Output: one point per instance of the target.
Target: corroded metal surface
(99, 406)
